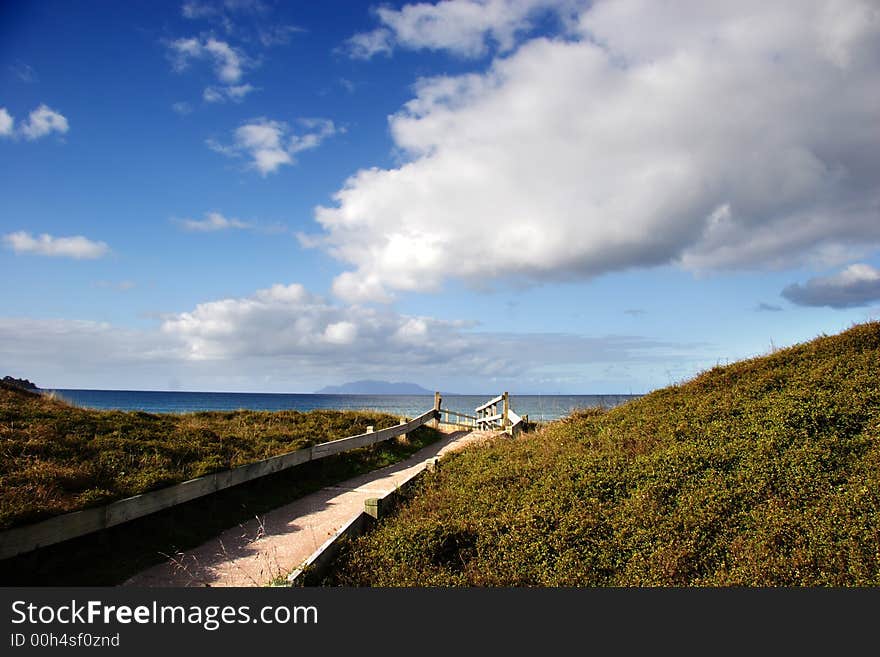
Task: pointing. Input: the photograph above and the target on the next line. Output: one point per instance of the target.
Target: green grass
(764, 472)
(56, 458)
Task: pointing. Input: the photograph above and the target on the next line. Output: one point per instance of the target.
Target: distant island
(19, 383)
(368, 387)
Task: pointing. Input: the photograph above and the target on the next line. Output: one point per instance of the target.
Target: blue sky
(544, 196)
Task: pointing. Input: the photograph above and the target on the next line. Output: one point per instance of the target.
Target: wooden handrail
(18, 540)
(509, 420)
(456, 413)
(490, 403)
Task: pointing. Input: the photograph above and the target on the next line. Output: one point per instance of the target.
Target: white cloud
(287, 320)
(235, 93)
(213, 95)
(278, 35)
(43, 121)
(857, 285)
(365, 45)
(464, 27)
(285, 331)
(316, 131)
(271, 144)
(341, 332)
(183, 108)
(719, 135)
(7, 123)
(284, 338)
(40, 122)
(213, 221)
(196, 10)
(258, 26)
(77, 247)
(263, 140)
(228, 62)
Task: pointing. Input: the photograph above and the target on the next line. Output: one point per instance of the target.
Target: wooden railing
(19, 540)
(488, 416)
(456, 419)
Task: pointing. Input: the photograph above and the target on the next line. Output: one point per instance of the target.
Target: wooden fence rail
(467, 421)
(489, 416)
(19, 540)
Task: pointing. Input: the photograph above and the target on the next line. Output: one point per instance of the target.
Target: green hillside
(764, 472)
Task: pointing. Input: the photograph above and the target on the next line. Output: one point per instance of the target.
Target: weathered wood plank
(457, 414)
(489, 403)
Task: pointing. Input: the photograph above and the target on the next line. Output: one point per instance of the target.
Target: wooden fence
(19, 540)
(487, 417)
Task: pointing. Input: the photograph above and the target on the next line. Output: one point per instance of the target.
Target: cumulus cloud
(857, 285)
(43, 121)
(720, 135)
(7, 123)
(464, 27)
(272, 144)
(289, 320)
(366, 45)
(235, 93)
(228, 62)
(77, 247)
(213, 221)
(285, 338)
(40, 122)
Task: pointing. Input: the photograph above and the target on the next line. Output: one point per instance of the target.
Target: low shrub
(764, 472)
(56, 458)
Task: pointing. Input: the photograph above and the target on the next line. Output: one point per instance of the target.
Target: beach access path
(276, 543)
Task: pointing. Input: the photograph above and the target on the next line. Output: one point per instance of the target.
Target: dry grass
(56, 458)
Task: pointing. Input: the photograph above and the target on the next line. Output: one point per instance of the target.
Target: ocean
(537, 407)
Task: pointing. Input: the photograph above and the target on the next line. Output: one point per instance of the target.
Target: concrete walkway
(255, 553)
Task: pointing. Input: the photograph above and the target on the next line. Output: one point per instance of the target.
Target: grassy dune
(764, 472)
(56, 458)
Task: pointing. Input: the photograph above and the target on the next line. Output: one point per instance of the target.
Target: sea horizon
(539, 407)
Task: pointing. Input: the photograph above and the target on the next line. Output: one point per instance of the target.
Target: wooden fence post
(505, 409)
(437, 401)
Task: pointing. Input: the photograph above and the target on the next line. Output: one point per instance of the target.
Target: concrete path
(253, 554)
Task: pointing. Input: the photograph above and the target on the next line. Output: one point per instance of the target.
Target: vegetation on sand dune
(763, 472)
(56, 458)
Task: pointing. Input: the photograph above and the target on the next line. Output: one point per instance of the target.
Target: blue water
(537, 407)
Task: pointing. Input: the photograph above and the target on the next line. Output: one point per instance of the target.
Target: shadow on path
(274, 544)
